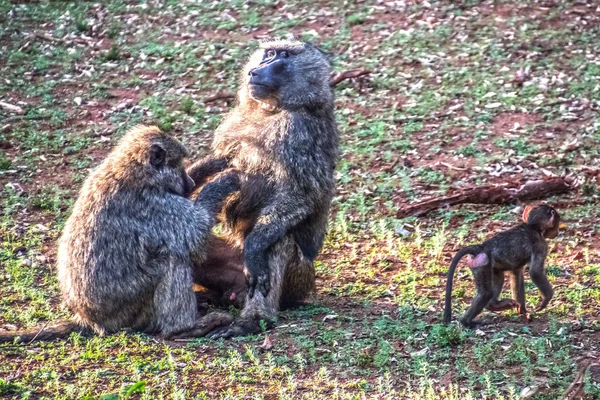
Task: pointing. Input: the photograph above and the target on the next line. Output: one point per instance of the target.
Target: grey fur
(286, 147)
(124, 259)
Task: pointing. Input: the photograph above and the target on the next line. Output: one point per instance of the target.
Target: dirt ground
(460, 94)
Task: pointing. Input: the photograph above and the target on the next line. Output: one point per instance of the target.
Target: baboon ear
(551, 220)
(158, 155)
(526, 212)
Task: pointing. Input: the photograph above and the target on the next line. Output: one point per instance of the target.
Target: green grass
(437, 113)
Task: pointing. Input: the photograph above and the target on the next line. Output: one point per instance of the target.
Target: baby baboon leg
(485, 293)
(204, 325)
(261, 307)
(496, 304)
(222, 274)
(517, 287)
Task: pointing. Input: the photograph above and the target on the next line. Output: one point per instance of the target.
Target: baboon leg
(485, 292)
(283, 258)
(299, 279)
(174, 300)
(496, 304)
(221, 274)
(517, 287)
(538, 276)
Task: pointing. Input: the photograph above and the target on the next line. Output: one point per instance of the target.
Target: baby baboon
(124, 259)
(283, 138)
(221, 275)
(508, 251)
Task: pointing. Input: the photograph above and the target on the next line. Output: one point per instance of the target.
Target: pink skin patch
(478, 261)
(232, 297)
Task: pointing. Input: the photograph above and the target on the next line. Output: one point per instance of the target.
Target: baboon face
(170, 172)
(272, 72)
(288, 73)
(545, 217)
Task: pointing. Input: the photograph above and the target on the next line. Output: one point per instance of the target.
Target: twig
(38, 334)
(577, 383)
(353, 73)
(220, 96)
(12, 108)
(15, 118)
(47, 37)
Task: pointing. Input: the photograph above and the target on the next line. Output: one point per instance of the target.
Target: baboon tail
(57, 331)
(472, 250)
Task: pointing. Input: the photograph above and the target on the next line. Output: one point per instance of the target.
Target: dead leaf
(267, 344)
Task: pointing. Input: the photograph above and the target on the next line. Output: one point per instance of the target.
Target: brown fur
(508, 251)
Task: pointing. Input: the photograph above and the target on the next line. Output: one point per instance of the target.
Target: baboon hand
(260, 281)
(228, 179)
(214, 192)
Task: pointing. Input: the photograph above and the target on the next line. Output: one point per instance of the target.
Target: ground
(461, 93)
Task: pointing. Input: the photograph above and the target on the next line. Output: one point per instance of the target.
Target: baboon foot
(204, 326)
(474, 324)
(240, 327)
(525, 318)
(503, 305)
(542, 305)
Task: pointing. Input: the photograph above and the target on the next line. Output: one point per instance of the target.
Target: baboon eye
(284, 54)
(271, 53)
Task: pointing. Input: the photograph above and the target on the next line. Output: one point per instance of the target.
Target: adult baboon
(508, 251)
(124, 259)
(282, 135)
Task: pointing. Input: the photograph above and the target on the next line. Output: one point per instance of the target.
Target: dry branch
(575, 389)
(353, 73)
(335, 80)
(220, 96)
(12, 108)
(492, 194)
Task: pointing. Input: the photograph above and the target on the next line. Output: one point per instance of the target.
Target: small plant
(357, 19)
(187, 103)
(82, 25)
(113, 54)
(5, 163)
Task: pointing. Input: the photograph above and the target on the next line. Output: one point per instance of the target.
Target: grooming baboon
(124, 259)
(282, 135)
(508, 251)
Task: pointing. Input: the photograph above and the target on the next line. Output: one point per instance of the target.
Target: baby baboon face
(545, 217)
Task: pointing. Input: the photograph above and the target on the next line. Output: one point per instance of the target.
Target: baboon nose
(252, 72)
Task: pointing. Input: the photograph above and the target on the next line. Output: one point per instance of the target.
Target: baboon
(283, 137)
(220, 276)
(508, 251)
(124, 258)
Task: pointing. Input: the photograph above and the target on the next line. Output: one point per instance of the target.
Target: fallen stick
(12, 108)
(220, 96)
(492, 194)
(335, 80)
(575, 389)
(353, 73)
